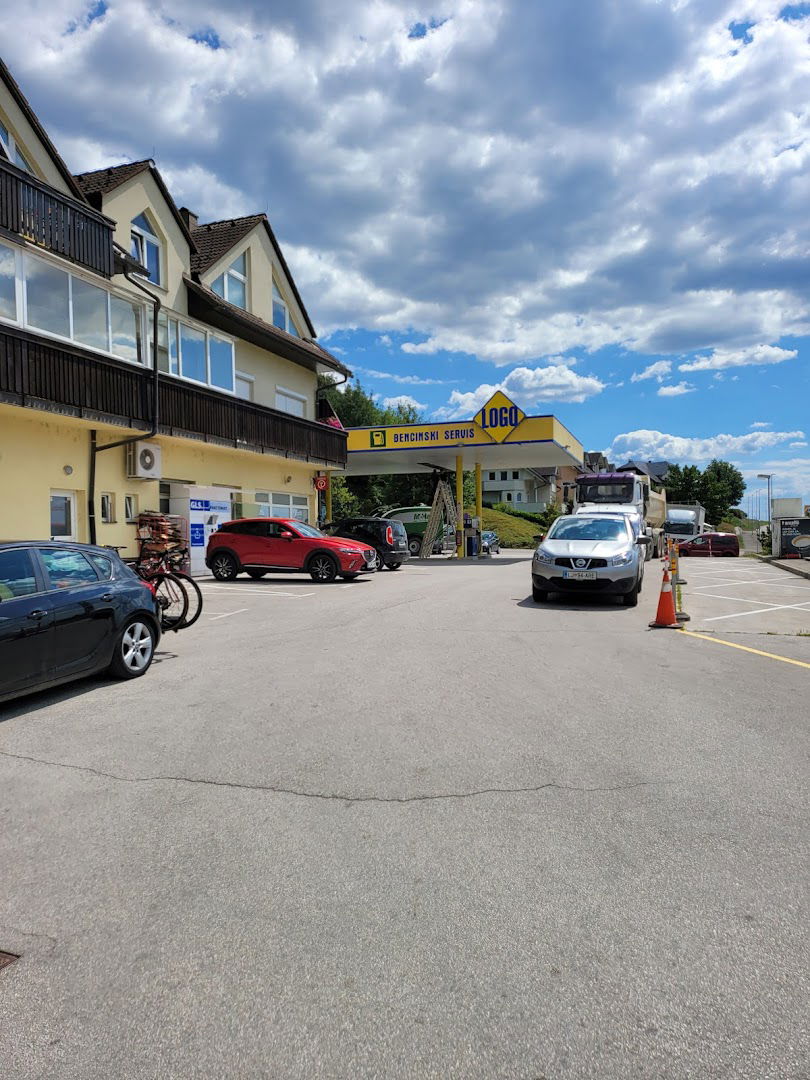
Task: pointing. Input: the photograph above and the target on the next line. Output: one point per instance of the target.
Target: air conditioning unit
(143, 461)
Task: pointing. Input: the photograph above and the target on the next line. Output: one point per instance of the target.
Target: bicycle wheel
(173, 600)
(195, 599)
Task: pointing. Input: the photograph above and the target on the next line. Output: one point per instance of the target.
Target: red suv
(711, 544)
(259, 545)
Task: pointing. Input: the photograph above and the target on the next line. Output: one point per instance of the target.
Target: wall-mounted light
(67, 470)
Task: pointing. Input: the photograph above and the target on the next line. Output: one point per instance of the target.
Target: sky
(599, 207)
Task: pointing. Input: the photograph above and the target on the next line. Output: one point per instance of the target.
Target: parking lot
(418, 826)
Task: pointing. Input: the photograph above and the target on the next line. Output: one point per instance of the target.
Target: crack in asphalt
(6, 928)
(334, 796)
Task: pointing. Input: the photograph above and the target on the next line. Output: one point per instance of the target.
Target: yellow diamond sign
(499, 417)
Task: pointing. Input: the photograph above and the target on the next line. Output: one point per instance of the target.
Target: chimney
(189, 218)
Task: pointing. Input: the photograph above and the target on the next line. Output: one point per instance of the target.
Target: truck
(685, 521)
(629, 494)
(415, 519)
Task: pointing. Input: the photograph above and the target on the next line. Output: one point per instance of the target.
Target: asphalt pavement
(413, 826)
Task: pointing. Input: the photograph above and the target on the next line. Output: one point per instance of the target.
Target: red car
(259, 545)
(711, 544)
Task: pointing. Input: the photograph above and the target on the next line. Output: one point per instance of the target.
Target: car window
(67, 568)
(103, 565)
(17, 576)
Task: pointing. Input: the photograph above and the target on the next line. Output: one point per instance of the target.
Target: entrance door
(63, 515)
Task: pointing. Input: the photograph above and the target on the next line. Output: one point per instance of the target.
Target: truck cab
(624, 493)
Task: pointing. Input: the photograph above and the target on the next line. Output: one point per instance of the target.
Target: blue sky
(600, 207)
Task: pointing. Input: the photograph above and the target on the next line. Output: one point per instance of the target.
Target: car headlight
(543, 557)
(349, 551)
(623, 559)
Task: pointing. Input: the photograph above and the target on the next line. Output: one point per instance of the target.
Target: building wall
(270, 371)
(35, 447)
(29, 143)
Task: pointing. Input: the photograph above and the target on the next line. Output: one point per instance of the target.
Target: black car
(388, 537)
(70, 610)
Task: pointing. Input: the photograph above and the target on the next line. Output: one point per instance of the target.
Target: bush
(543, 520)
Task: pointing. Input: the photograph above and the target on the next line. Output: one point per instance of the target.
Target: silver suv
(590, 554)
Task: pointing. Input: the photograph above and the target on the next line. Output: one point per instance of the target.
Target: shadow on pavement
(560, 602)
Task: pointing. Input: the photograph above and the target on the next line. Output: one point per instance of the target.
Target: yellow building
(222, 416)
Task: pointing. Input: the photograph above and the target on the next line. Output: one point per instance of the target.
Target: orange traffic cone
(665, 617)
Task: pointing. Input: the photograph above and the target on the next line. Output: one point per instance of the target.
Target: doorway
(63, 515)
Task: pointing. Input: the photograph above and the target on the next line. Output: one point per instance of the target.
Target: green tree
(729, 475)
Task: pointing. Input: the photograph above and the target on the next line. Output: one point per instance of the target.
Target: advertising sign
(794, 536)
(197, 535)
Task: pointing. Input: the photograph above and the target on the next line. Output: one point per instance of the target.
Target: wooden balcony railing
(54, 221)
(64, 379)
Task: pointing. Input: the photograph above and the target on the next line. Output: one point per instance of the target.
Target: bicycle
(169, 561)
(170, 592)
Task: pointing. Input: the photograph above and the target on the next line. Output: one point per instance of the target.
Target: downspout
(94, 447)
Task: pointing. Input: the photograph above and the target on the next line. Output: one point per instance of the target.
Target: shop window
(131, 508)
(107, 507)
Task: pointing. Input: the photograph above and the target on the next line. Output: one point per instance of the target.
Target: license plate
(580, 575)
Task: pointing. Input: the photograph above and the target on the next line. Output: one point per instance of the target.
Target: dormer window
(11, 150)
(281, 313)
(145, 247)
(232, 285)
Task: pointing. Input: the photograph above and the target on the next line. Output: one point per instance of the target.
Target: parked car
(70, 610)
(711, 543)
(590, 554)
(284, 545)
(388, 538)
(490, 543)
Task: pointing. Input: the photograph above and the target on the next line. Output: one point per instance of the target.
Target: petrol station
(499, 436)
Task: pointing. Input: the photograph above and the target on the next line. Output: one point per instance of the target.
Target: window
(281, 313)
(103, 565)
(67, 568)
(220, 361)
(90, 315)
(519, 497)
(232, 285)
(504, 475)
(195, 354)
(192, 353)
(243, 386)
(63, 515)
(509, 496)
(131, 508)
(107, 507)
(290, 402)
(492, 476)
(165, 498)
(515, 475)
(48, 297)
(145, 247)
(12, 150)
(17, 576)
(8, 283)
(125, 329)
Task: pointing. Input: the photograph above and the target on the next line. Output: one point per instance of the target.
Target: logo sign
(376, 438)
(197, 535)
(579, 562)
(199, 504)
(499, 417)
(321, 483)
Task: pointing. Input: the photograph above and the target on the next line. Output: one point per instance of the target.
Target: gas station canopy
(500, 435)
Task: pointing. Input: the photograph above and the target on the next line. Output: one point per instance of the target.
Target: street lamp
(767, 476)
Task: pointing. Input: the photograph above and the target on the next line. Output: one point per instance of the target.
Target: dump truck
(629, 494)
(685, 521)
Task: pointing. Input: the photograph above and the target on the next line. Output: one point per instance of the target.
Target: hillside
(513, 532)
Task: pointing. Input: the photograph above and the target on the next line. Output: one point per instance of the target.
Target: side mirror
(644, 540)
(539, 538)
(285, 534)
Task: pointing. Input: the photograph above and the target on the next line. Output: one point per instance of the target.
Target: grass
(513, 532)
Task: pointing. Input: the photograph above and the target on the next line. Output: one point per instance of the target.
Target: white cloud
(405, 380)
(791, 476)
(796, 445)
(658, 370)
(761, 425)
(657, 445)
(727, 358)
(676, 389)
(527, 387)
(404, 401)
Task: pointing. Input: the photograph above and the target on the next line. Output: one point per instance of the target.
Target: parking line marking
(747, 648)
(760, 611)
(214, 618)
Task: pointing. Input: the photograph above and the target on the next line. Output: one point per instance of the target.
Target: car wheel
(223, 566)
(323, 569)
(414, 546)
(631, 599)
(256, 574)
(539, 595)
(134, 650)
(379, 562)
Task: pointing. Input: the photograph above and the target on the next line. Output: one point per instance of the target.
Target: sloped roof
(215, 238)
(209, 307)
(100, 182)
(41, 134)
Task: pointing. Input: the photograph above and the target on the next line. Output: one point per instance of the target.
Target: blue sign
(197, 533)
(199, 504)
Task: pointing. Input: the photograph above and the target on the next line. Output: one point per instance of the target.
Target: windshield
(587, 529)
(614, 492)
(307, 530)
(680, 528)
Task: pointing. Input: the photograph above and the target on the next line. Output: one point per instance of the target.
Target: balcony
(56, 222)
(64, 379)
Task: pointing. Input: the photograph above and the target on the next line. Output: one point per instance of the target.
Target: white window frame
(13, 151)
(277, 297)
(108, 508)
(207, 333)
(71, 497)
(296, 397)
(251, 379)
(143, 237)
(239, 276)
(131, 508)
